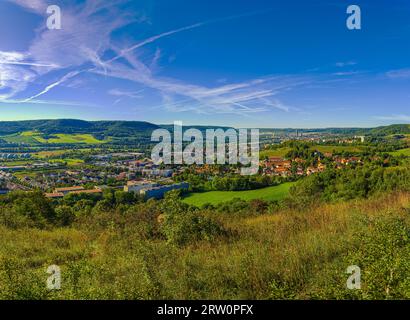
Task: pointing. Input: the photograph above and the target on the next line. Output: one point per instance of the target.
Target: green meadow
(18, 138)
(69, 162)
(405, 152)
(216, 197)
(31, 137)
(280, 152)
(72, 138)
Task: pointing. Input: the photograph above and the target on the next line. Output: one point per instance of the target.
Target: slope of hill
(393, 129)
(216, 197)
(69, 126)
(286, 255)
(47, 131)
(71, 131)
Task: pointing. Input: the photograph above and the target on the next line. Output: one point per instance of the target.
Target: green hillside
(33, 138)
(71, 126)
(405, 152)
(280, 152)
(392, 129)
(216, 197)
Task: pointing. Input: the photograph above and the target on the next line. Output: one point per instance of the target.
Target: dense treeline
(113, 128)
(351, 182)
(227, 182)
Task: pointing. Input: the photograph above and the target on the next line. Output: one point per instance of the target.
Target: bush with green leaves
(21, 209)
(183, 224)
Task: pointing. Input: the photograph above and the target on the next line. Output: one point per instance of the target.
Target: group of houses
(278, 166)
(145, 188)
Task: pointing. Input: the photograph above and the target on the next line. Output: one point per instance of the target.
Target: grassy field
(405, 152)
(69, 138)
(55, 153)
(15, 163)
(286, 255)
(215, 197)
(281, 152)
(70, 162)
(406, 136)
(18, 138)
(33, 173)
(30, 137)
(25, 173)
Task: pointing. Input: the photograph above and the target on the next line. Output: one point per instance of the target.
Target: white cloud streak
(86, 37)
(399, 74)
(53, 85)
(395, 117)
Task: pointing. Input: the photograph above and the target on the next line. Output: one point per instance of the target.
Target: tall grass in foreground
(290, 254)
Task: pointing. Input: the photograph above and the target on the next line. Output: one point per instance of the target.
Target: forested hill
(109, 128)
(128, 128)
(393, 129)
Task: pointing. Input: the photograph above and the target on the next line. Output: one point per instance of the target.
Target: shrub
(183, 224)
(184, 228)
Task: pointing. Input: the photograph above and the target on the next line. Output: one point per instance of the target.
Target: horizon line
(209, 125)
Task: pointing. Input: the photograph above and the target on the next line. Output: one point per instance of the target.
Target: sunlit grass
(216, 197)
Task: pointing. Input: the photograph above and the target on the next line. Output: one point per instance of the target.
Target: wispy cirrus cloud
(13, 76)
(121, 94)
(251, 96)
(395, 117)
(399, 73)
(37, 6)
(85, 39)
(53, 85)
(346, 73)
(345, 64)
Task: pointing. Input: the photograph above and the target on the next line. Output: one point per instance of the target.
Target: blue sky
(243, 63)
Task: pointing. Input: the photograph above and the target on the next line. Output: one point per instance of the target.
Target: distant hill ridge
(126, 128)
(109, 128)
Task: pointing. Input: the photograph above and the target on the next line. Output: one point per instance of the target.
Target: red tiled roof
(54, 195)
(68, 189)
(87, 191)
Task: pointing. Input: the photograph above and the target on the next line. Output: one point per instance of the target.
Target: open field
(280, 152)
(56, 153)
(405, 152)
(18, 138)
(25, 173)
(16, 163)
(70, 162)
(406, 136)
(51, 153)
(32, 173)
(69, 138)
(216, 197)
(30, 137)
